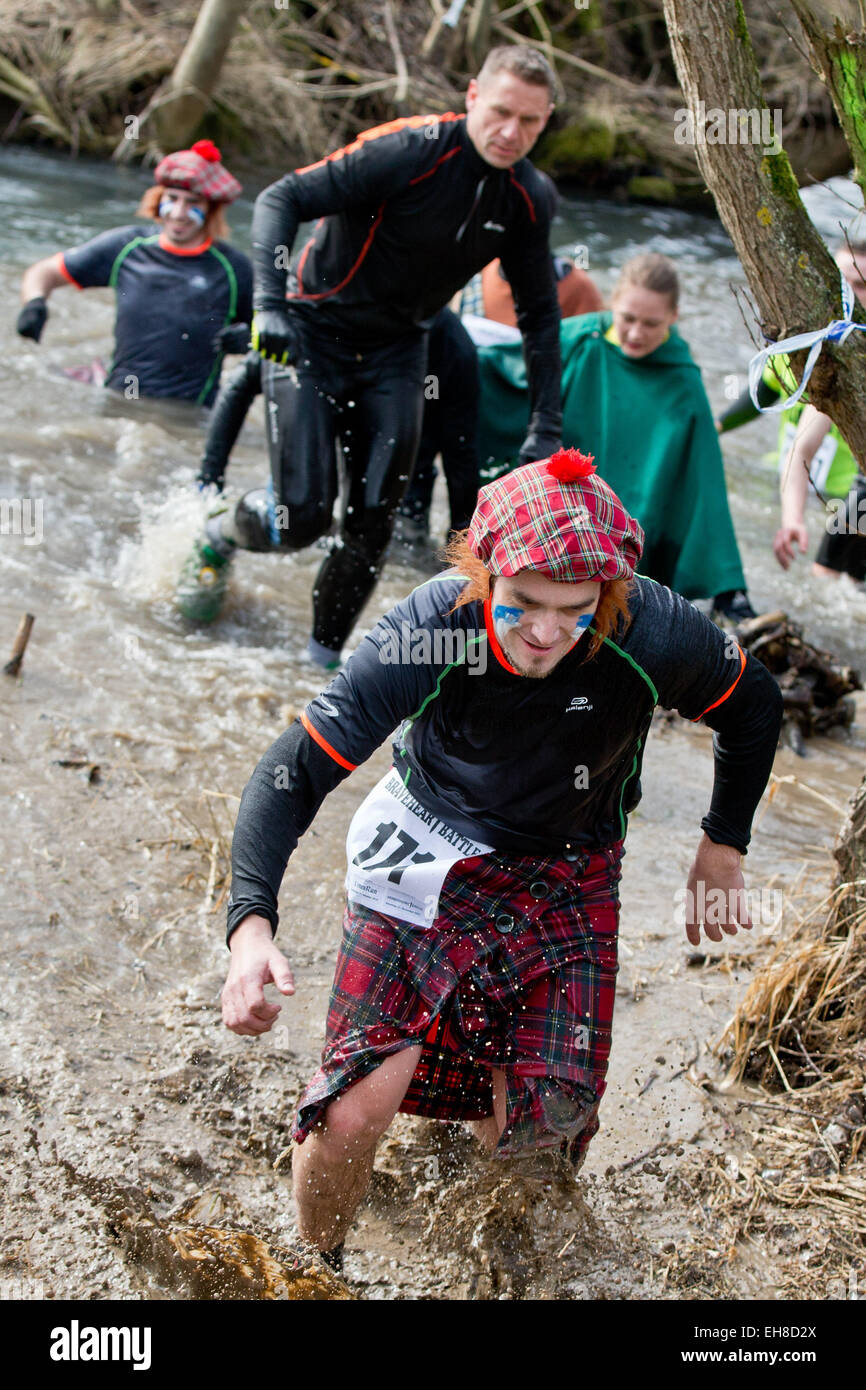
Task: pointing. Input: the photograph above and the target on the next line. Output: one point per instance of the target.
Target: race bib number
(399, 854)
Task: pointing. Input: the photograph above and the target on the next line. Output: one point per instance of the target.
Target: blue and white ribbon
(835, 332)
(452, 18)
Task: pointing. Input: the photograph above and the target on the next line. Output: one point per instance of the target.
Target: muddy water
(126, 742)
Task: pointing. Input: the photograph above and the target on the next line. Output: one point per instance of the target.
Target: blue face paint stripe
(510, 616)
(167, 202)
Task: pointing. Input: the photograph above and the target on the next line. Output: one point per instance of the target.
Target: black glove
(235, 337)
(32, 319)
(273, 336)
(205, 479)
(538, 444)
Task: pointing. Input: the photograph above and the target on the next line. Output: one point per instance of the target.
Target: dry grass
(208, 833)
(800, 1032)
(77, 68)
(300, 80)
(803, 1018)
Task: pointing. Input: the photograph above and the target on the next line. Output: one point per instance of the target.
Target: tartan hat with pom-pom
(558, 517)
(199, 171)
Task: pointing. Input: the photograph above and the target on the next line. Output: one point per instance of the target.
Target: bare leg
(488, 1130)
(824, 572)
(333, 1165)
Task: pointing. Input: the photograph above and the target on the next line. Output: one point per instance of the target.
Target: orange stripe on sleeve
(323, 743)
(61, 266)
(326, 294)
(375, 133)
(731, 688)
(422, 177)
(529, 202)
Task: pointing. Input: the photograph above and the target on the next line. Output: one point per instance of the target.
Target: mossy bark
(792, 276)
(839, 54)
(794, 280)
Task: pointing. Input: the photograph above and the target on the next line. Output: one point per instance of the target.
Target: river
(129, 736)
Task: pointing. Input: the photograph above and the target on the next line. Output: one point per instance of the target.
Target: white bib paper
(399, 854)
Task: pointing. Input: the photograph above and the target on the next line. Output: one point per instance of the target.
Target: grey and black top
(171, 304)
(407, 214)
(529, 766)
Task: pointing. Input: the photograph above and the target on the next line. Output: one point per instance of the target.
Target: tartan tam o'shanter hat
(199, 171)
(558, 517)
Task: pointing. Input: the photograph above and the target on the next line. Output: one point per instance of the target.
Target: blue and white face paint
(167, 207)
(505, 618)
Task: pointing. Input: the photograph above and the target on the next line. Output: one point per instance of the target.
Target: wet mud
(145, 1151)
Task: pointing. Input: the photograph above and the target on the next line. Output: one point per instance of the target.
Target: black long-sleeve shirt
(527, 766)
(449, 424)
(408, 213)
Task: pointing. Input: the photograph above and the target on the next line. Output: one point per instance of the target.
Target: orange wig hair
(215, 225)
(610, 617)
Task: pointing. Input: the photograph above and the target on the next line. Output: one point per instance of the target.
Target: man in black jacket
(407, 214)
(476, 974)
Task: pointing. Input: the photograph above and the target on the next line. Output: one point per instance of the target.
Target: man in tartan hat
(475, 979)
(184, 295)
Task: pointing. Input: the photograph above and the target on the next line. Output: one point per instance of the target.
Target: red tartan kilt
(516, 972)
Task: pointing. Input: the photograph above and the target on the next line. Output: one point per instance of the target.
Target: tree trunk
(185, 97)
(838, 48)
(478, 33)
(850, 848)
(790, 272)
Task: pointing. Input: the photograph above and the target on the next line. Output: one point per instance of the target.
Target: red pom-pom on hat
(569, 465)
(207, 150)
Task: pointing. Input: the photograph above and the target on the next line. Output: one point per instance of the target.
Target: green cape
(648, 424)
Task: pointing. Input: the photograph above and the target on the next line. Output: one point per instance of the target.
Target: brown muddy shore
(121, 1090)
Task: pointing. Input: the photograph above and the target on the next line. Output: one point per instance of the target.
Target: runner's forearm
(229, 413)
(544, 369)
(276, 218)
(539, 325)
(811, 432)
(279, 802)
(747, 731)
(795, 485)
(743, 409)
(40, 279)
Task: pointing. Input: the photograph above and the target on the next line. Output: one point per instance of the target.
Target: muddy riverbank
(127, 740)
(116, 1066)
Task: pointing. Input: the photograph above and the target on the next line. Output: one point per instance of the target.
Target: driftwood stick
(22, 637)
(401, 90)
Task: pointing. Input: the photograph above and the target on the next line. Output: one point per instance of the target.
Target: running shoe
(203, 582)
(733, 605)
(411, 544)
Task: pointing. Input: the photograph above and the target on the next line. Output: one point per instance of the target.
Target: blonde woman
(632, 395)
